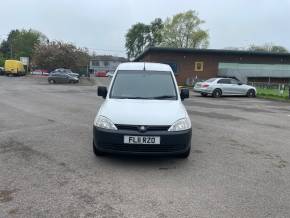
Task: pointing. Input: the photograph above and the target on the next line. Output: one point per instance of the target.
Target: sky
(101, 25)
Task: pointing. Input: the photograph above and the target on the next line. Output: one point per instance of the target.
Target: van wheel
(217, 93)
(51, 81)
(251, 93)
(185, 154)
(96, 151)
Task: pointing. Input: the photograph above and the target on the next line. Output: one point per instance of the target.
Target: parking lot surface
(239, 164)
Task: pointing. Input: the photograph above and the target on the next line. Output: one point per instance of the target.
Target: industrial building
(198, 64)
(105, 63)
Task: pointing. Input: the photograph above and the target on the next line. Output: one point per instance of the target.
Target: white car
(110, 74)
(142, 113)
(218, 87)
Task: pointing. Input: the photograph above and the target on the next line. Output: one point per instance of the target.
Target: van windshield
(139, 84)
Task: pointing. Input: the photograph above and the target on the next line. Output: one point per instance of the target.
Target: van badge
(142, 129)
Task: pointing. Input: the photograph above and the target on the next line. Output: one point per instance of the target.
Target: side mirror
(102, 91)
(184, 93)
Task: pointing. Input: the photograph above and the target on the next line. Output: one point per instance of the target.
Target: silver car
(218, 87)
(62, 78)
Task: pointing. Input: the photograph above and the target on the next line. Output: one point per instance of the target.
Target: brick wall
(186, 61)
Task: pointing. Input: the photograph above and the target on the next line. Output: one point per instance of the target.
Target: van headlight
(179, 125)
(104, 122)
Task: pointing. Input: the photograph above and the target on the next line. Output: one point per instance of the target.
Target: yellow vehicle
(14, 68)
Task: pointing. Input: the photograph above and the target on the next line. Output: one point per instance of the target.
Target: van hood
(142, 112)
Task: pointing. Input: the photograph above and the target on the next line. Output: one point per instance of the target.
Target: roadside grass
(274, 94)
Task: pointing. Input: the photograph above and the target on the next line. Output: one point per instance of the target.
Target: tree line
(182, 30)
(42, 53)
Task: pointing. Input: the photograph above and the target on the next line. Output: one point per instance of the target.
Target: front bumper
(112, 141)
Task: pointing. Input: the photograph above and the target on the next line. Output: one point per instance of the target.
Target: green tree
(2, 59)
(57, 54)
(156, 27)
(137, 39)
(268, 47)
(183, 31)
(21, 43)
(140, 36)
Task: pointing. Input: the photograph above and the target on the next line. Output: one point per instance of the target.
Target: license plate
(142, 140)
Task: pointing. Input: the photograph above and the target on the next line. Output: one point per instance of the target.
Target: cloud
(102, 25)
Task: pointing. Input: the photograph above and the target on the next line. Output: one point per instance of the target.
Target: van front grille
(137, 127)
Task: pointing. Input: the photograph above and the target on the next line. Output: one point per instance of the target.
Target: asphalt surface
(239, 164)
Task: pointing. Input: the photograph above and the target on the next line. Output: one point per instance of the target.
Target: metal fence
(272, 89)
(278, 86)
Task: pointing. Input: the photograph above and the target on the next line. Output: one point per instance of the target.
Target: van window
(143, 85)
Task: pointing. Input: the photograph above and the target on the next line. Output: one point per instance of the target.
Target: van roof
(13, 60)
(140, 66)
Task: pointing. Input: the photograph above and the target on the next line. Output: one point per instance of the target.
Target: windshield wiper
(165, 97)
(156, 97)
(131, 98)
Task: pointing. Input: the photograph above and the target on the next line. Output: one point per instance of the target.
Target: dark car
(65, 71)
(2, 72)
(62, 78)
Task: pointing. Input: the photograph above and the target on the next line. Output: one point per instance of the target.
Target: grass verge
(273, 94)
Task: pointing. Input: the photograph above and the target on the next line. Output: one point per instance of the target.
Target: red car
(101, 74)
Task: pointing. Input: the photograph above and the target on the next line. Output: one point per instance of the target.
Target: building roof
(141, 65)
(210, 51)
(108, 58)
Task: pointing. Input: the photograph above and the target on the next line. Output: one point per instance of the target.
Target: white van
(142, 113)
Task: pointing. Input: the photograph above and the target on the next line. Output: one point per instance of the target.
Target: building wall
(244, 71)
(104, 65)
(186, 62)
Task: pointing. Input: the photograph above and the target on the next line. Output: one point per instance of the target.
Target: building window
(95, 63)
(173, 66)
(106, 63)
(198, 66)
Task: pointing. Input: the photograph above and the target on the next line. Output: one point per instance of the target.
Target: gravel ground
(239, 164)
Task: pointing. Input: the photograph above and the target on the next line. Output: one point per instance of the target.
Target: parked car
(2, 71)
(62, 78)
(36, 72)
(39, 72)
(110, 74)
(101, 74)
(218, 87)
(65, 71)
(142, 113)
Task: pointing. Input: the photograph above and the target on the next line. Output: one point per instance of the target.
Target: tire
(185, 154)
(203, 94)
(251, 93)
(217, 93)
(51, 81)
(97, 152)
